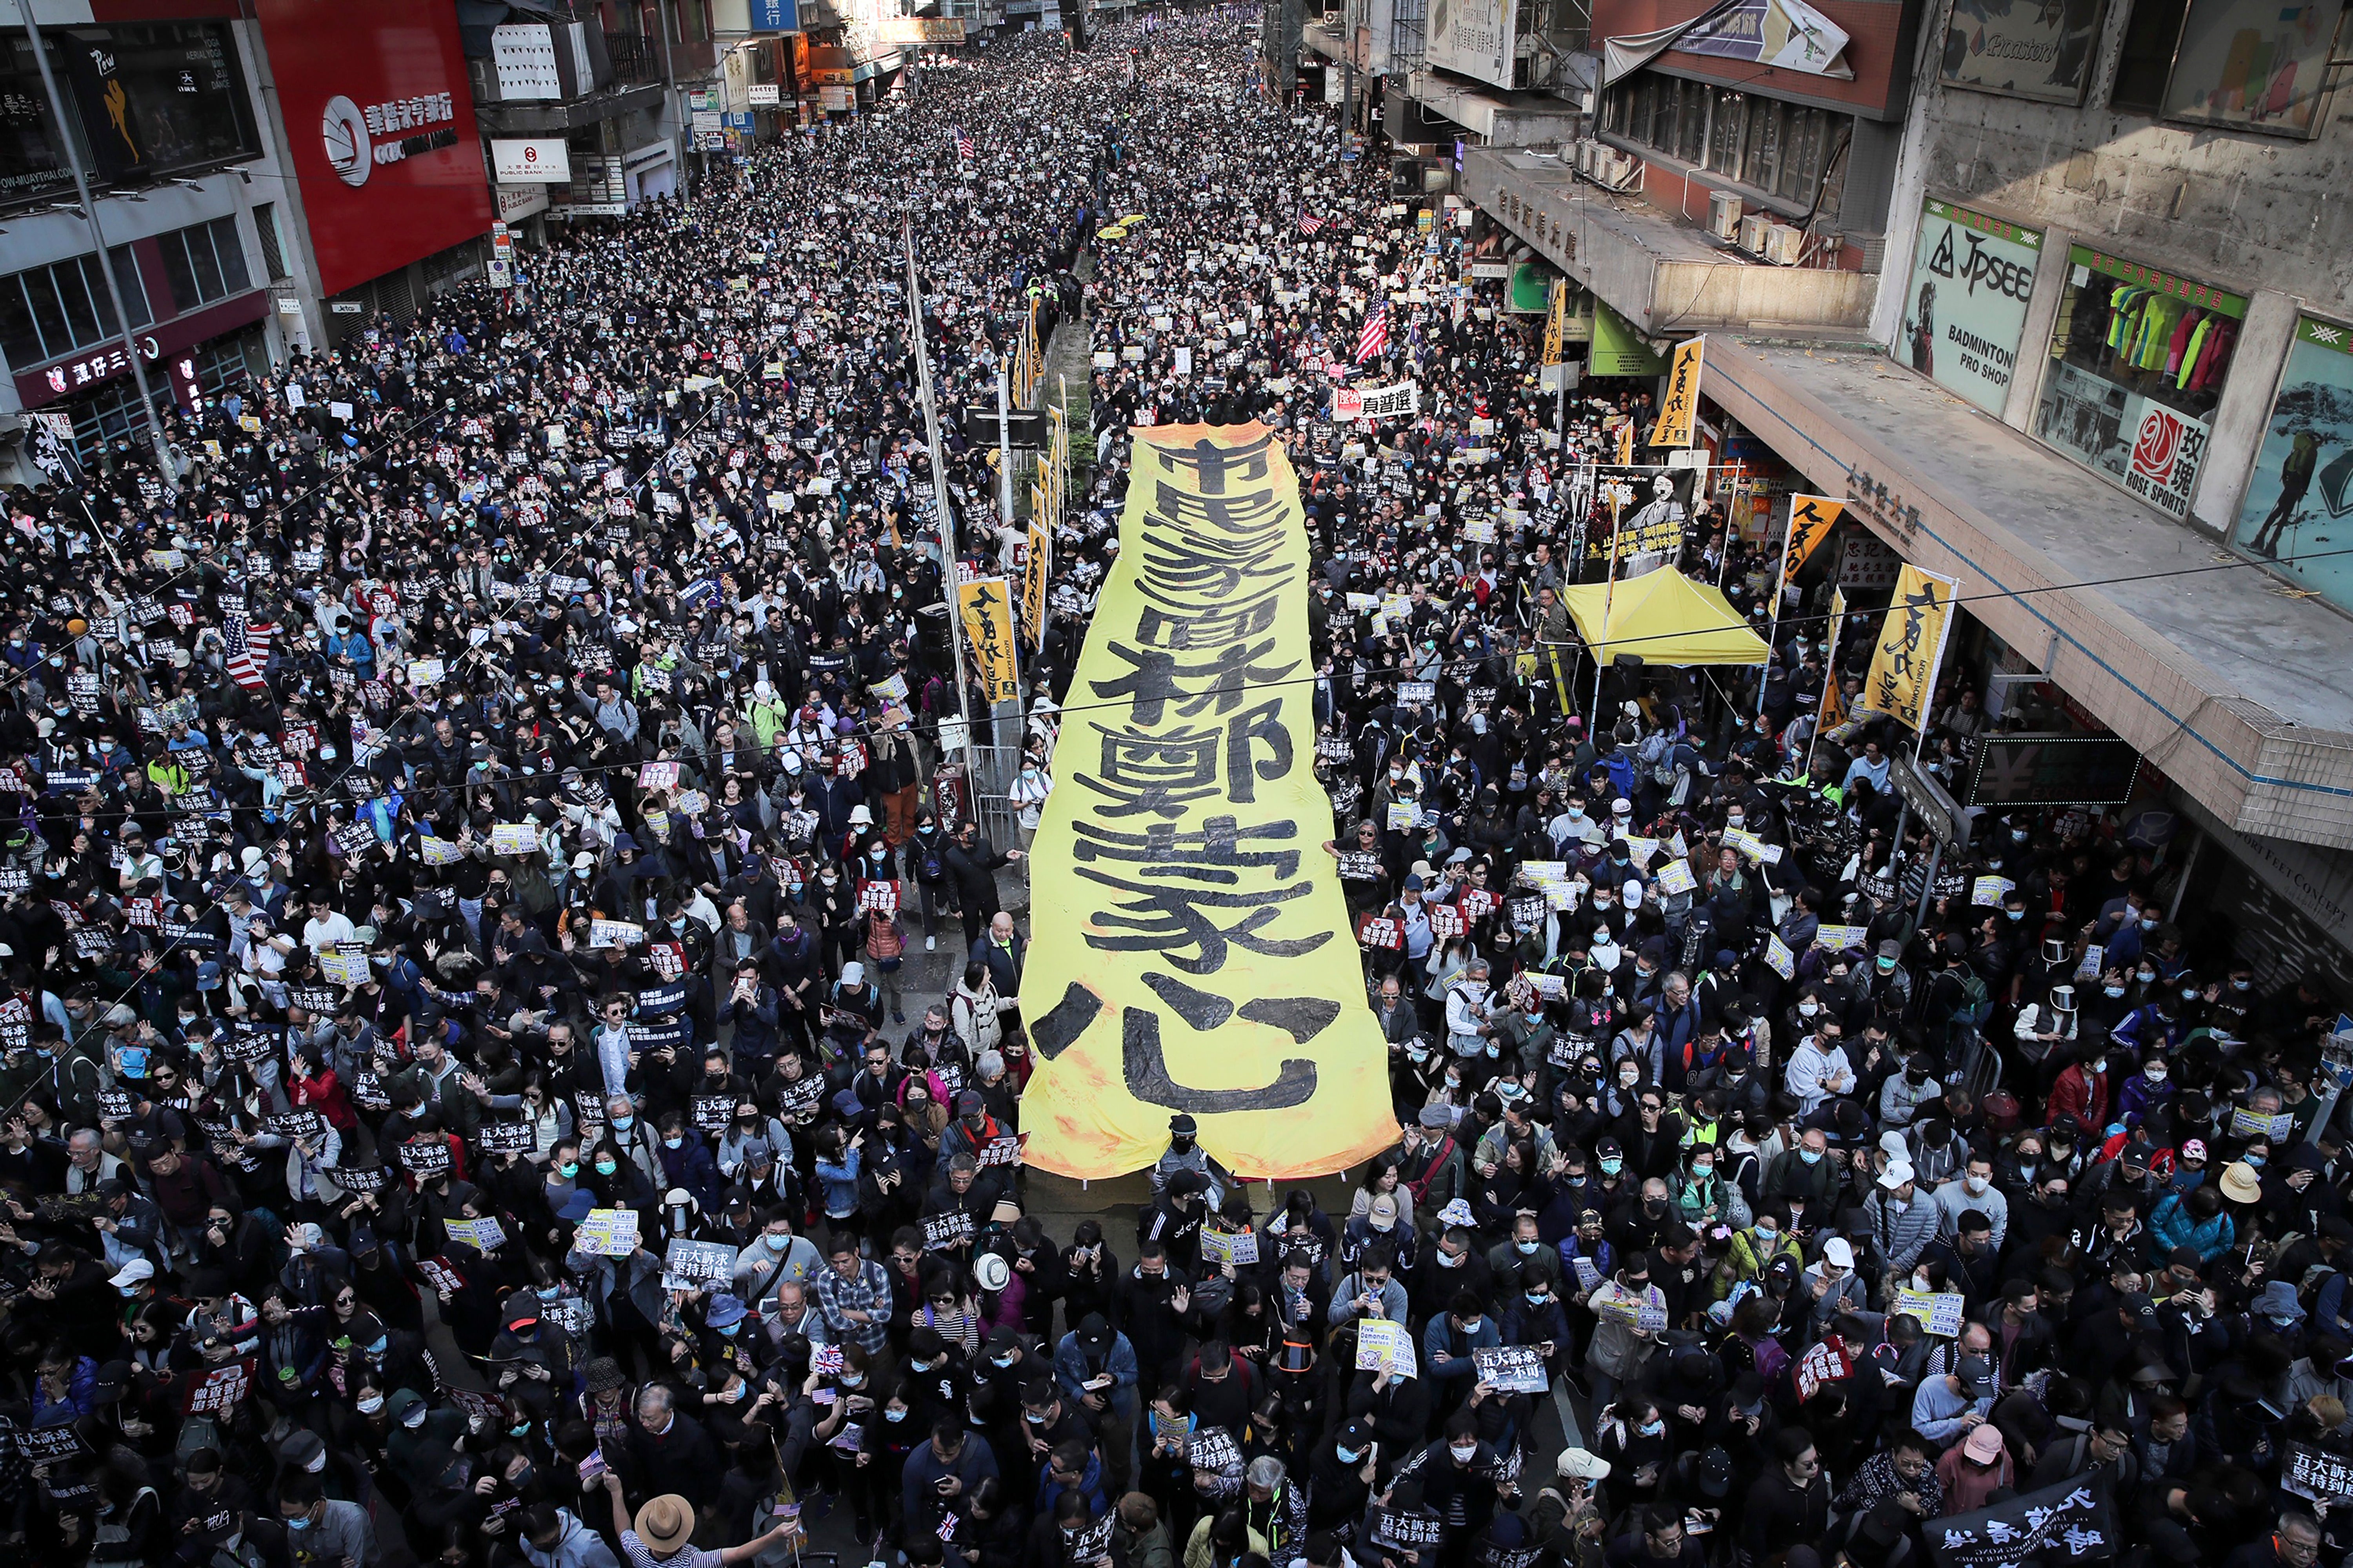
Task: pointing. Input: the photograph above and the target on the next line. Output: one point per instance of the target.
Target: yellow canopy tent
(1664, 616)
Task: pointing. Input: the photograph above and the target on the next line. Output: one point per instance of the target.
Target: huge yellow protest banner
(1192, 952)
(1911, 644)
(988, 612)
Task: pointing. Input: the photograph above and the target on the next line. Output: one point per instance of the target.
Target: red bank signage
(382, 129)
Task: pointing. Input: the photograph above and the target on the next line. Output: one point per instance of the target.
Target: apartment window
(1723, 132)
(203, 263)
(1801, 157)
(1775, 147)
(1691, 126)
(2142, 69)
(273, 250)
(1760, 165)
(47, 312)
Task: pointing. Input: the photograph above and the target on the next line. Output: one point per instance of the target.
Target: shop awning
(1666, 617)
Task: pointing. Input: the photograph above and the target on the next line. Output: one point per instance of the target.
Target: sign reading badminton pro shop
(1965, 309)
(1204, 965)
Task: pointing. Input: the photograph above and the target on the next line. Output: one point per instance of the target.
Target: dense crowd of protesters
(442, 918)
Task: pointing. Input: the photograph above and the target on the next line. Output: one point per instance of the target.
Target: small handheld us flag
(964, 147)
(238, 655)
(1375, 335)
(1309, 223)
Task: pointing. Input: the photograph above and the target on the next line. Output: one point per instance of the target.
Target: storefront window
(1965, 308)
(2253, 65)
(2302, 487)
(2138, 358)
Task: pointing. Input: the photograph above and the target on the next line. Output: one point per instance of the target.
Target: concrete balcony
(1662, 275)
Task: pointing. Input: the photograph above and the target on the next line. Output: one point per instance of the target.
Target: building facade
(2065, 320)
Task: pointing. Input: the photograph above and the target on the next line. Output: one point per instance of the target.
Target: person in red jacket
(2081, 1098)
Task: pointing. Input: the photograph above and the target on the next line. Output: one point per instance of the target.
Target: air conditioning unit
(1782, 243)
(1585, 150)
(1616, 170)
(1752, 233)
(1724, 216)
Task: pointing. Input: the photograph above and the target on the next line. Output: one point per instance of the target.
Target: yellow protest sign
(1555, 321)
(987, 610)
(1810, 521)
(1033, 584)
(1911, 642)
(1200, 958)
(1679, 409)
(1626, 441)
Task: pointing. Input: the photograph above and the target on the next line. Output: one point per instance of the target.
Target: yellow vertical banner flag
(1911, 644)
(1556, 321)
(1198, 957)
(1033, 584)
(1811, 518)
(987, 610)
(1626, 441)
(1679, 409)
(1832, 712)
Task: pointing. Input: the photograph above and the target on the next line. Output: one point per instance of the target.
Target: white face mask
(1975, 1183)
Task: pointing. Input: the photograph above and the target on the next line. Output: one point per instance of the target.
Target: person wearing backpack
(928, 852)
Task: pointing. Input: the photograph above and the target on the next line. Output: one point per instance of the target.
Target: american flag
(248, 646)
(1309, 223)
(963, 146)
(1375, 335)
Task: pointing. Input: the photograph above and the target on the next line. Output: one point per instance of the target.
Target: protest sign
(1385, 1346)
(1939, 1312)
(608, 1233)
(1825, 1361)
(217, 1388)
(946, 1229)
(482, 1234)
(1513, 1368)
(1238, 1247)
(505, 1137)
(695, 1265)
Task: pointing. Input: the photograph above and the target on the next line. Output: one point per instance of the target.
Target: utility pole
(939, 503)
(1004, 448)
(98, 236)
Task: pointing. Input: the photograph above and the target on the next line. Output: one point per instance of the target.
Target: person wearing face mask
(1447, 1347)
(322, 1529)
(2146, 1091)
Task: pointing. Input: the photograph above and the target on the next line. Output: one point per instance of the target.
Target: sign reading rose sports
(1965, 310)
(381, 122)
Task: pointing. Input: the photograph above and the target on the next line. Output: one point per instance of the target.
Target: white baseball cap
(1837, 1253)
(1580, 1464)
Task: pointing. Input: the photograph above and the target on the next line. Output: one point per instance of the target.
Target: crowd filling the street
(515, 1032)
